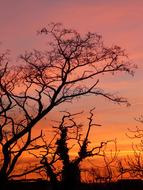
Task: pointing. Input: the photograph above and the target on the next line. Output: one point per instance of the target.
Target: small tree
(133, 164)
(106, 172)
(57, 152)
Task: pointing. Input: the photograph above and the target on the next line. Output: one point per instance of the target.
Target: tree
(11, 147)
(133, 164)
(6, 105)
(56, 159)
(70, 68)
(105, 173)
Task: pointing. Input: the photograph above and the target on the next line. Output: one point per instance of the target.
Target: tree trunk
(3, 181)
(71, 177)
(53, 178)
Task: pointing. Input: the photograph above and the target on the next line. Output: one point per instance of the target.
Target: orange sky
(119, 22)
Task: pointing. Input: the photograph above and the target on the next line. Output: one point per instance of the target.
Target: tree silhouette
(133, 164)
(70, 68)
(58, 151)
(11, 147)
(107, 172)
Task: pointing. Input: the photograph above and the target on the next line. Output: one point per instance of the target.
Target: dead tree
(70, 68)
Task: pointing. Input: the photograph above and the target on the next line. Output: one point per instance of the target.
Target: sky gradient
(119, 22)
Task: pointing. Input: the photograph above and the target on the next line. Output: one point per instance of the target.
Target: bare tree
(6, 105)
(106, 172)
(133, 164)
(58, 152)
(11, 147)
(69, 68)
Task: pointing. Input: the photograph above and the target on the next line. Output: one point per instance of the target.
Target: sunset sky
(119, 22)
